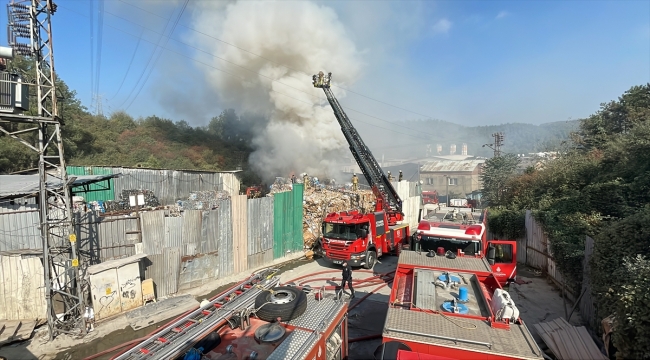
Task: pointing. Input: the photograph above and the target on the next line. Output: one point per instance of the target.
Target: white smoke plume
(285, 42)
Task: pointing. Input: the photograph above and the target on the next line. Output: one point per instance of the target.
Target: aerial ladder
(173, 340)
(387, 198)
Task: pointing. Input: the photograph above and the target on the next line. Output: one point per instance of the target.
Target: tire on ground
(269, 311)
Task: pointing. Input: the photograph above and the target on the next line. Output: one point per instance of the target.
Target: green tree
(495, 174)
(600, 188)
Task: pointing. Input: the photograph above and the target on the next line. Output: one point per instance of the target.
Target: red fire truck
(360, 238)
(443, 307)
(256, 319)
(429, 197)
(460, 233)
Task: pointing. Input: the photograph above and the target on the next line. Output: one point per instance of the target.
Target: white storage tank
(503, 306)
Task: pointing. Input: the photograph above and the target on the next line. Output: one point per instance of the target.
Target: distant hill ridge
(519, 138)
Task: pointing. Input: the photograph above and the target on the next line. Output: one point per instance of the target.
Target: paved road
(537, 300)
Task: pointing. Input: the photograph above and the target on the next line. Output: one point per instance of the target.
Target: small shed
(116, 286)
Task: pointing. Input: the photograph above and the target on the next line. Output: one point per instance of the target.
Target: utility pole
(498, 143)
(30, 20)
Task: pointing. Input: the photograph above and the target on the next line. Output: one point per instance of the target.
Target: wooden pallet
(15, 330)
(567, 341)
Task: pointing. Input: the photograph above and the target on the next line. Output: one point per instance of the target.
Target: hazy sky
(468, 62)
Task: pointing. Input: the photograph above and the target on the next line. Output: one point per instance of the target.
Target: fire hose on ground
(360, 283)
(376, 279)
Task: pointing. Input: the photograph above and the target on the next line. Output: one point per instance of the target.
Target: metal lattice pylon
(30, 20)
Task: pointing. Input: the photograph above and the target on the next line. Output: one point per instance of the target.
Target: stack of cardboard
(319, 202)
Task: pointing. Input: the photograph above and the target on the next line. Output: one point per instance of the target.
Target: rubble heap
(203, 200)
(150, 201)
(318, 202)
(280, 185)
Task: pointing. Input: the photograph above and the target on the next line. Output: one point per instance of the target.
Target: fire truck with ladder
(255, 319)
(360, 238)
(444, 307)
(460, 233)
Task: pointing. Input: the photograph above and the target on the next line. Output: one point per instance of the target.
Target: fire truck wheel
(371, 259)
(284, 302)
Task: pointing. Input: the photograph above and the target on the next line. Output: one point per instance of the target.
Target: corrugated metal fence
(103, 190)
(183, 251)
(22, 290)
(167, 185)
(171, 185)
(103, 238)
(19, 227)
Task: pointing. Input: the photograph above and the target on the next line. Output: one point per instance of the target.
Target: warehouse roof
(451, 166)
(20, 185)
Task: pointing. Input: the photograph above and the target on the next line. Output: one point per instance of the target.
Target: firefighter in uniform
(305, 180)
(347, 277)
(355, 182)
(417, 237)
(401, 176)
(390, 177)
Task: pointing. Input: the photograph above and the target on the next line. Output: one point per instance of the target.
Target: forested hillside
(519, 138)
(599, 188)
(223, 144)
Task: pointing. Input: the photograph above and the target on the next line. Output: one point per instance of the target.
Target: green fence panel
(97, 191)
(298, 241)
(287, 221)
(279, 200)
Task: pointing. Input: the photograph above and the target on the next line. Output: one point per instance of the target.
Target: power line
(274, 80)
(100, 34)
(130, 64)
(157, 44)
(92, 53)
(303, 72)
(171, 32)
(242, 67)
(145, 10)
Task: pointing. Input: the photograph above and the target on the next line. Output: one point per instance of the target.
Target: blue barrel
(462, 294)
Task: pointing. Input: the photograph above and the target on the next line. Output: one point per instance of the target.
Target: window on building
(453, 181)
(430, 181)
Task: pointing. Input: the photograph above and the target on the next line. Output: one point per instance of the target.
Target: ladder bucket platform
(173, 340)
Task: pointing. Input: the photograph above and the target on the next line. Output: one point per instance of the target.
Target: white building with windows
(460, 177)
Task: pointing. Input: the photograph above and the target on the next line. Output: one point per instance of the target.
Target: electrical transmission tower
(30, 35)
(498, 143)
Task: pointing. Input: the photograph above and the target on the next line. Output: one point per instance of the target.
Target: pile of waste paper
(150, 201)
(318, 202)
(280, 185)
(203, 200)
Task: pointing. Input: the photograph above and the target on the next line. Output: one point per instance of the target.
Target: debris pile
(150, 200)
(280, 185)
(203, 200)
(318, 202)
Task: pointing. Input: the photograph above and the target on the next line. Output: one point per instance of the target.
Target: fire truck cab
(360, 238)
(459, 233)
(429, 197)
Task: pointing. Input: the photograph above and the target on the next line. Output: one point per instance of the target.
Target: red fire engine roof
(440, 331)
(464, 263)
